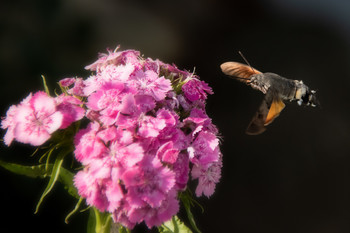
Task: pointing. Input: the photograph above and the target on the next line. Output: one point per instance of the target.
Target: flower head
(140, 136)
(147, 131)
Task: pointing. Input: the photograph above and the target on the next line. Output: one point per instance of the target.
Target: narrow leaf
(74, 210)
(45, 85)
(31, 171)
(187, 204)
(54, 176)
(65, 177)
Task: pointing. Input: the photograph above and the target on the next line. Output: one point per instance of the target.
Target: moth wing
(269, 109)
(238, 70)
(257, 124)
(277, 106)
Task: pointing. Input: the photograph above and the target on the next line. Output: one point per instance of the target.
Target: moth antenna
(246, 61)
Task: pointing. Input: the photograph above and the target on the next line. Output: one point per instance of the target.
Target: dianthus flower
(148, 132)
(38, 116)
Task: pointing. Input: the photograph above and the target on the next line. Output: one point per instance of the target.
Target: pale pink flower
(127, 155)
(9, 123)
(37, 119)
(110, 74)
(150, 126)
(115, 58)
(207, 177)
(149, 83)
(107, 102)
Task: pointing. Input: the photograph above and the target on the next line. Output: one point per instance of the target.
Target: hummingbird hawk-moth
(276, 89)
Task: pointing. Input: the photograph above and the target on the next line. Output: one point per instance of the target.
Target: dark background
(293, 178)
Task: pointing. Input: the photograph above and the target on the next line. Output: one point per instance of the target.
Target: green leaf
(40, 171)
(54, 176)
(99, 222)
(31, 171)
(186, 201)
(91, 226)
(45, 85)
(74, 210)
(175, 225)
(66, 178)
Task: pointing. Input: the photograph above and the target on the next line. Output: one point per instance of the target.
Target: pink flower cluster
(147, 133)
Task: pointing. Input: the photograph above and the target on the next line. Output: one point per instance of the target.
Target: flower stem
(102, 222)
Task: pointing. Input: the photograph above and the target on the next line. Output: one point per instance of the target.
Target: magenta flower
(156, 216)
(205, 149)
(181, 169)
(167, 153)
(148, 183)
(195, 89)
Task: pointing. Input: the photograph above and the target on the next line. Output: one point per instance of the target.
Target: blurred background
(292, 178)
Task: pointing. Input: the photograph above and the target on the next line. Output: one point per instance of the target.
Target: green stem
(103, 222)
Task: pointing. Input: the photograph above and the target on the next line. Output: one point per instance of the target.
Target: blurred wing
(276, 107)
(238, 70)
(269, 109)
(257, 125)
